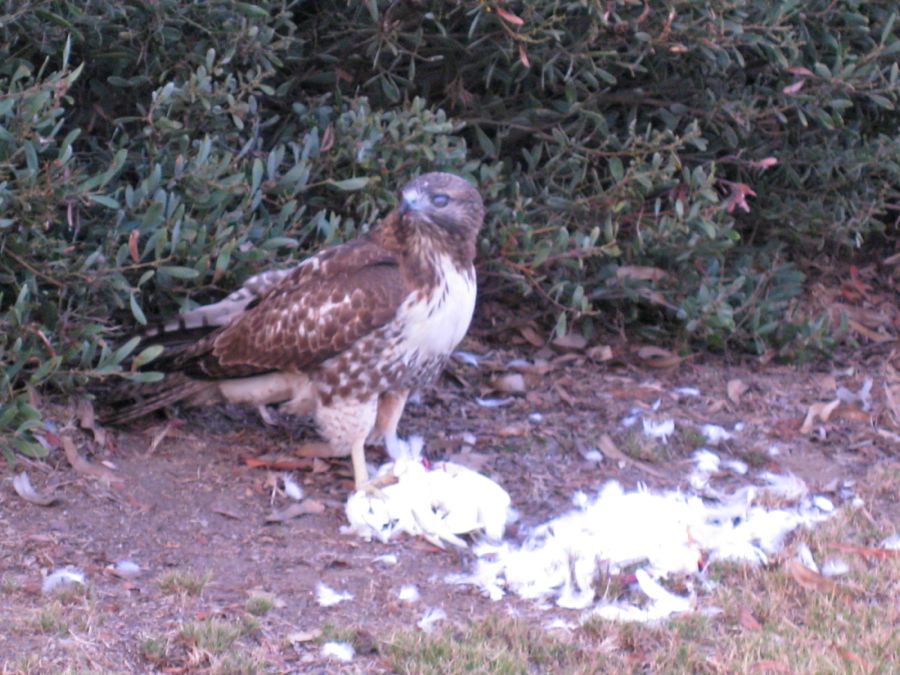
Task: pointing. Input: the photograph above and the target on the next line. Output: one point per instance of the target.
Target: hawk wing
(319, 309)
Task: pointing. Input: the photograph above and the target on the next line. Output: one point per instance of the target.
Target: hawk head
(446, 201)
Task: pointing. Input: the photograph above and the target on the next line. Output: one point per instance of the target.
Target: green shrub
(682, 137)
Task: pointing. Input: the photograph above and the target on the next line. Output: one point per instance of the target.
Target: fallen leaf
(295, 510)
(511, 430)
(222, 511)
(282, 462)
(820, 411)
(22, 486)
(657, 357)
(569, 359)
(571, 342)
(600, 353)
(647, 392)
(511, 383)
(812, 581)
(531, 336)
(748, 621)
(827, 384)
(564, 395)
(537, 367)
(736, 388)
(871, 334)
(866, 551)
(892, 397)
(160, 435)
(716, 407)
(303, 636)
(473, 460)
(85, 411)
(852, 413)
(81, 465)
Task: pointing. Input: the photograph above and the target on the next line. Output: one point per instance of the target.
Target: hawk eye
(440, 200)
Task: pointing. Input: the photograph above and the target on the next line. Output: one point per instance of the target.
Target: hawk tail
(127, 402)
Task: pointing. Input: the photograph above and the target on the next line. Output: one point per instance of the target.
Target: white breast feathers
(434, 328)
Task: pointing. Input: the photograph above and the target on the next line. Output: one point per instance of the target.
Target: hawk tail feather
(136, 401)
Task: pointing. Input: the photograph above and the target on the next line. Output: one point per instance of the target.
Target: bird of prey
(345, 335)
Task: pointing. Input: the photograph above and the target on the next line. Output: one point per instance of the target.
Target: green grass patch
(259, 604)
(187, 582)
(497, 645)
(212, 635)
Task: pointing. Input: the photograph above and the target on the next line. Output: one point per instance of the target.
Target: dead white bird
(439, 504)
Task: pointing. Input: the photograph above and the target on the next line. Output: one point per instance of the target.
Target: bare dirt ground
(191, 511)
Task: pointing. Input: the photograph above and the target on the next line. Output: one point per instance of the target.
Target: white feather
(339, 651)
(327, 596)
(63, 578)
(430, 618)
(408, 593)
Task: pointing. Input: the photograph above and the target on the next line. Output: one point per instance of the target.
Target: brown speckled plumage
(358, 324)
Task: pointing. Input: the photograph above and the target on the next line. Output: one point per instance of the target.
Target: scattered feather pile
(326, 596)
(409, 593)
(657, 533)
(339, 651)
(430, 618)
(126, 569)
(439, 503)
(61, 579)
(644, 534)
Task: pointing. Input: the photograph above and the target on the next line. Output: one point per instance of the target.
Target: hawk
(345, 335)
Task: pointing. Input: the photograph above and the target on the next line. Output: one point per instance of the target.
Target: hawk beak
(408, 202)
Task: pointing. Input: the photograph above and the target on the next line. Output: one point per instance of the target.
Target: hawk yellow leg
(390, 409)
